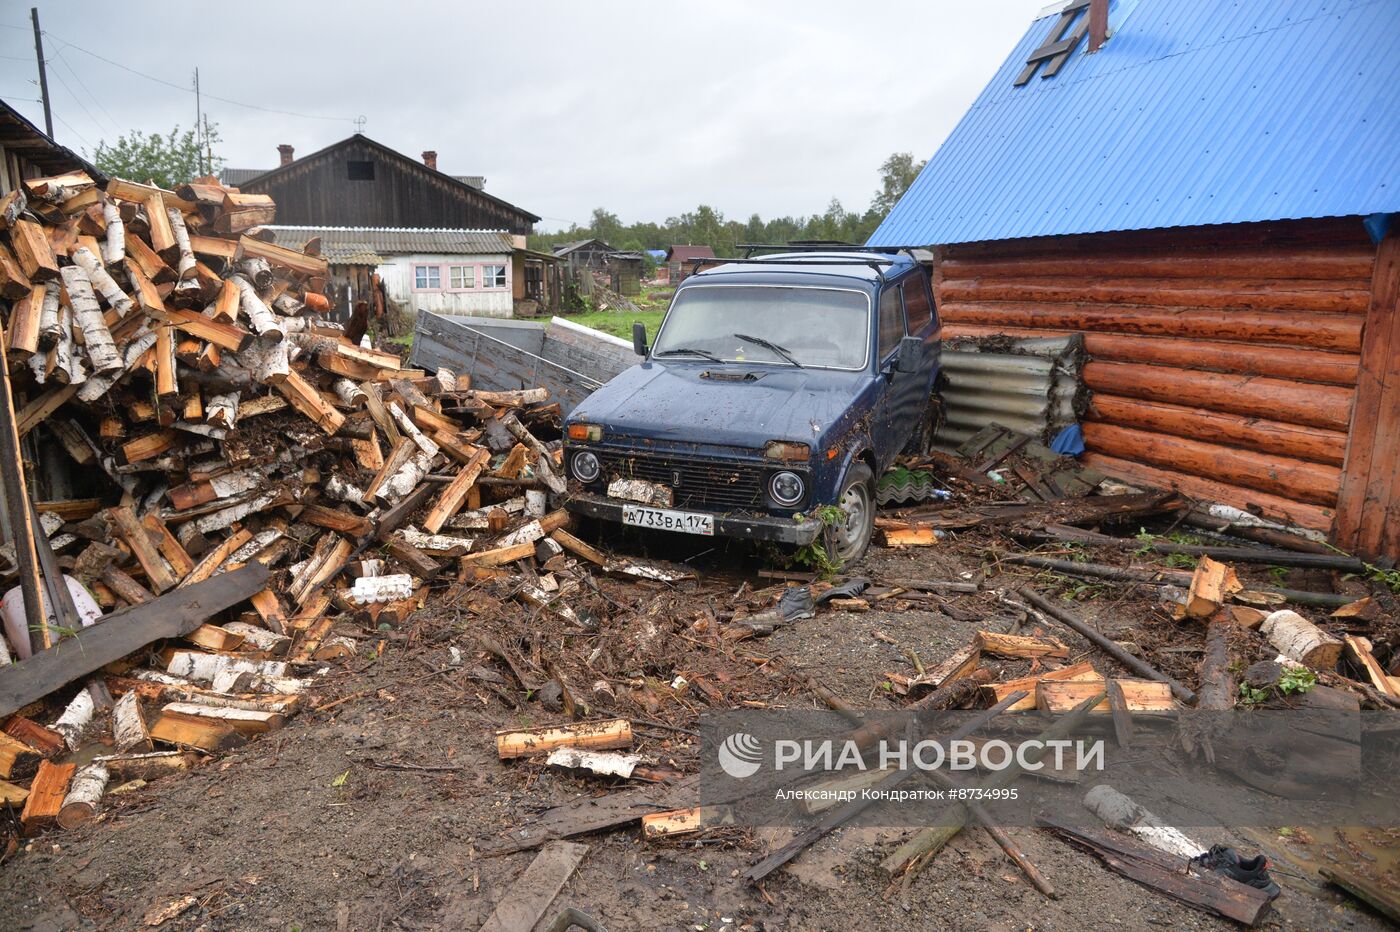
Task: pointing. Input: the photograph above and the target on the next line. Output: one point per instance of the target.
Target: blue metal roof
(1194, 112)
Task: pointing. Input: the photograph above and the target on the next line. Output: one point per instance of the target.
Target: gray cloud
(646, 108)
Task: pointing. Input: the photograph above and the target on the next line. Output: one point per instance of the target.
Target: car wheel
(847, 542)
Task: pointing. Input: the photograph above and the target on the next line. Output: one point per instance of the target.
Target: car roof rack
(873, 263)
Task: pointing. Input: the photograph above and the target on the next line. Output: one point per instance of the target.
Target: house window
(493, 276)
(359, 170)
(462, 276)
(427, 278)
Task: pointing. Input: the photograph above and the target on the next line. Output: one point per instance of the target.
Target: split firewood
(46, 795)
(1212, 584)
(1140, 695)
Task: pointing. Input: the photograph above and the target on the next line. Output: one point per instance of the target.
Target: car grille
(714, 486)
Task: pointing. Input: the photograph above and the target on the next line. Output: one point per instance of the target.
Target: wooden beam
(172, 615)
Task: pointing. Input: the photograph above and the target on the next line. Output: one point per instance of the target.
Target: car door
(891, 432)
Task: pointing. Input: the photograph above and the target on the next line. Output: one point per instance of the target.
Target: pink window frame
(445, 277)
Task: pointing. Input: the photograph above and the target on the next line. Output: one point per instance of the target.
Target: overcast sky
(648, 109)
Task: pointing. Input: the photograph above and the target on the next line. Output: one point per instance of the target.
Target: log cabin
(1207, 193)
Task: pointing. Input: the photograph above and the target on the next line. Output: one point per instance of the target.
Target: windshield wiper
(689, 351)
(770, 345)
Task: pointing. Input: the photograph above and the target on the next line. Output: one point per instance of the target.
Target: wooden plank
(1139, 695)
(1013, 645)
(524, 904)
(579, 547)
(1368, 439)
(172, 615)
(1207, 891)
(19, 514)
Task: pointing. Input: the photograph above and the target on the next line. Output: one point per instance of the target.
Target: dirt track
(271, 836)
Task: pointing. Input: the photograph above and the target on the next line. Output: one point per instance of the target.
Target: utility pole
(43, 75)
(198, 116)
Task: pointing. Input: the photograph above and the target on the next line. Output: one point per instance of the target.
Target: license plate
(664, 519)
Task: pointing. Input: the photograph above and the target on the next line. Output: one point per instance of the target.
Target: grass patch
(618, 323)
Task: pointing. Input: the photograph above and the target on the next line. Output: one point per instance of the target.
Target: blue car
(775, 386)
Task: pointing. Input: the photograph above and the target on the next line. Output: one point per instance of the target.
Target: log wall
(1224, 361)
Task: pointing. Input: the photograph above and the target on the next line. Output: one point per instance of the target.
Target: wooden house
(358, 182)
(680, 261)
(622, 269)
(1208, 194)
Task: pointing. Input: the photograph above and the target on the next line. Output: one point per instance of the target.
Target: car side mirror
(639, 338)
(911, 350)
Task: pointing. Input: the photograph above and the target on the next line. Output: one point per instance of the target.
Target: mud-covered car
(776, 387)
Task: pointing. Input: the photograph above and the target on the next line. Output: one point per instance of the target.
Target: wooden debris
(1012, 645)
(525, 903)
(1207, 891)
(1066, 695)
(1212, 584)
(596, 736)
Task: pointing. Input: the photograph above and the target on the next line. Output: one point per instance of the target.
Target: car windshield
(822, 328)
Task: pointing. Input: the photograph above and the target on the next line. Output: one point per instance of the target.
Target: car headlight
(593, 432)
(787, 488)
(585, 466)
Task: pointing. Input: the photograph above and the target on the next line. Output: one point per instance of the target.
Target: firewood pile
(265, 491)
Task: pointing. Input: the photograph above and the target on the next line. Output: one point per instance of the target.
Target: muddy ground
(307, 829)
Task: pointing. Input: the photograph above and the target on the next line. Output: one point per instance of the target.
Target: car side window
(891, 322)
(916, 305)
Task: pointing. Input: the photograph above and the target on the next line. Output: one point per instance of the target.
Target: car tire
(845, 545)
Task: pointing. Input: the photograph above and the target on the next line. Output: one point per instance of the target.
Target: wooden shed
(1209, 198)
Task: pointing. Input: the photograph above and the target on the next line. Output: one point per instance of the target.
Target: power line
(77, 100)
(85, 140)
(178, 87)
(83, 84)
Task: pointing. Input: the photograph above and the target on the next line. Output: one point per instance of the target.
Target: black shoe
(1253, 872)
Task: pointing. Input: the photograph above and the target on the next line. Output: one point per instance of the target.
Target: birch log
(101, 351)
(222, 410)
(68, 366)
(260, 638)
(74, 719)
(129, 725)
(405, 480)
(186, 269)
(107, 286)
(205, 667)
(48, 317)
(84, 795)
(114, 250)
(265, 323)
(257, 271)
(271, 364)
(1122, 813)
(1301, 640)
(98, 385)
(349, 393)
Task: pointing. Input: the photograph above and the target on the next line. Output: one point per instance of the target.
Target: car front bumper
(743, 526)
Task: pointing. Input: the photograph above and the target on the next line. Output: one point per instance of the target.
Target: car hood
(687, 403)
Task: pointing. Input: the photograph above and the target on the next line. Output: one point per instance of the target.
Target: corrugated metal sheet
(236, 176)
(1031, 386)
(1194, 112)
(366, 245)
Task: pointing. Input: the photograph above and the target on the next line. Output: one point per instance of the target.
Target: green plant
(1181, 561)
(815, 556)
(1279, 573)
(1296, 680)
(1251, 697)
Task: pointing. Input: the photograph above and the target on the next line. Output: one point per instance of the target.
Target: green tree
(168, 161)
(896, 175)
(605, 226)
